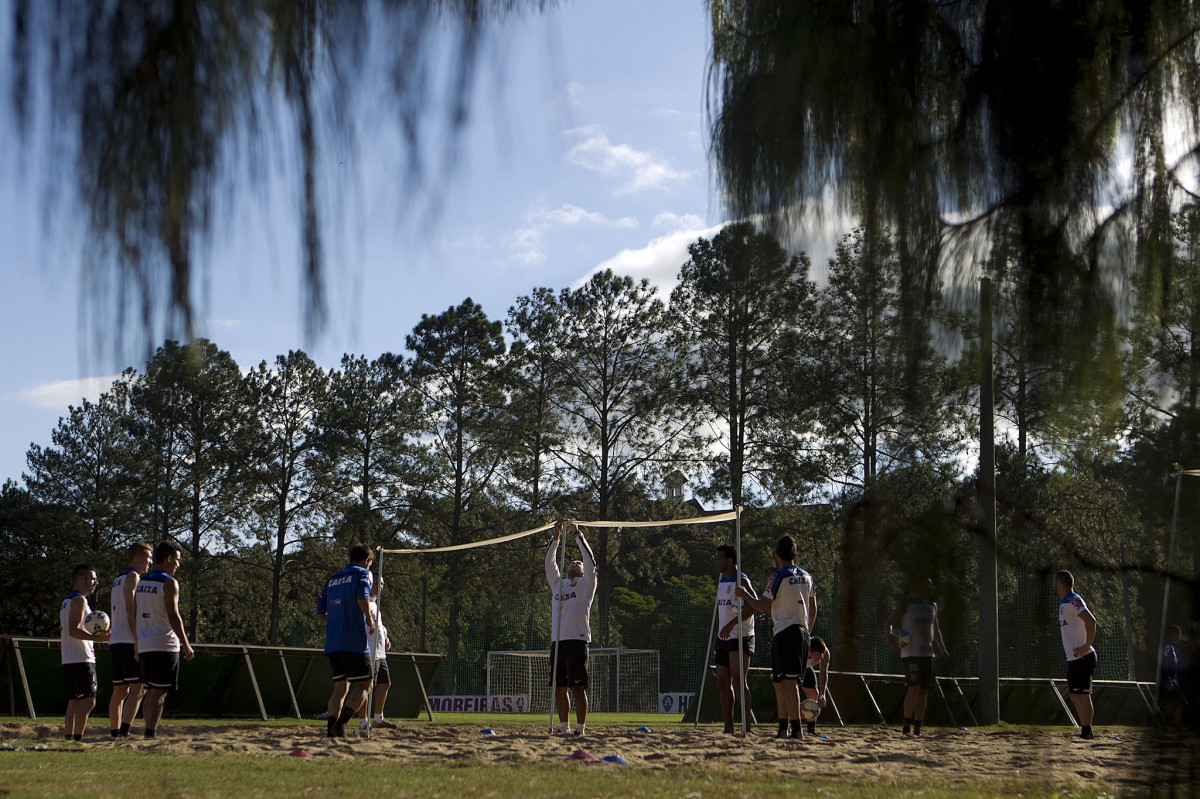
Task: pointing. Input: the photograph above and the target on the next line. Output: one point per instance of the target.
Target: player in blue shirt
(345, 609)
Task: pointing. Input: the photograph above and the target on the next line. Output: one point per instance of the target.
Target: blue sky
(588, 152)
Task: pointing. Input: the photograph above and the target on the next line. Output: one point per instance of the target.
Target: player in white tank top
(122, 647)
(917, 617)
(78, 651)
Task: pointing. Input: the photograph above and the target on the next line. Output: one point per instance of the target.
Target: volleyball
(96, 622)
(810, 709)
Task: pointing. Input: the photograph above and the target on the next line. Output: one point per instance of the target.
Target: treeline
(805, 403)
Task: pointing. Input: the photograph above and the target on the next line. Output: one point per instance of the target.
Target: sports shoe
(364, 725)
(338, 731)
(383, 724)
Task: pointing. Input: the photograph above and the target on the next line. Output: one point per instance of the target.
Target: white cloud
(58, 394)
(225, 323)
(637, 169)
(659, 261)
(526, 243)
(666, 220)
(573, 94)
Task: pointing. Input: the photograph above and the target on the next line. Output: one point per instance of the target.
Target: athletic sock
(344, 717)
(783, 729)
(797, 730)
(564, 728)
(378, 717)
(150, 733)
(77, 736)
(67, 736)
(124, 731)
(579, 729)
(114, 733)
(812, 728)
(329, 722)
(907, 726)
(916, 728)
(1086, 732)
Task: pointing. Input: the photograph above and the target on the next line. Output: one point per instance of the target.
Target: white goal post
(619, 680)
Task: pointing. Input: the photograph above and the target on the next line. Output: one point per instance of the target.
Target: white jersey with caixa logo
(1074, 633)
(790, 590)
(728, 605)
(572, 609)
(918, 619)
(154, 630)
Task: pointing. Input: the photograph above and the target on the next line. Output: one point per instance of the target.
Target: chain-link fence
(676, 622)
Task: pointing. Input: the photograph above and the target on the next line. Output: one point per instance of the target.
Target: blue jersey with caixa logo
(345, 622)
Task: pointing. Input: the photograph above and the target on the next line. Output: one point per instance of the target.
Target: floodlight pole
(989, 626)
(743, 678)
(1162, 622)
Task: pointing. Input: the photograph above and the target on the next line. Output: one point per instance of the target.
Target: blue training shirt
(345, 623)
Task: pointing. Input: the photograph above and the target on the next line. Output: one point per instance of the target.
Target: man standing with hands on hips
(1078, 628)
(160, 634)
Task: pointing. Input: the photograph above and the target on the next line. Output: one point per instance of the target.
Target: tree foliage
(739, 297)
(160, 109)
(969, 126)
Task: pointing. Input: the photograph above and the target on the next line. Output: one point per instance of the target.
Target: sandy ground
(1118, 761)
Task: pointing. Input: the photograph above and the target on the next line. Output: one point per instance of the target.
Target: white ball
(96, 622)
(901, 637)
(810, 709)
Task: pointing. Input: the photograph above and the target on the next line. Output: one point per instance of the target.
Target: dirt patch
(1120, 761)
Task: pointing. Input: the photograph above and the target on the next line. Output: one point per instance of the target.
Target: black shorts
(382, 675)
(725, 646)
(160, 670)
(918, 671)
(789, 653)
(125, 667)
(81, 680)
(810, 678)
(570, 660)
(350, 666)
(1079, 674)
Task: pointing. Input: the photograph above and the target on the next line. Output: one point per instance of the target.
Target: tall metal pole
(1162, 622)
(989, 626)
(743, 678)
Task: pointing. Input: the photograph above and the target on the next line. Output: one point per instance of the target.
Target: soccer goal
(619, 680)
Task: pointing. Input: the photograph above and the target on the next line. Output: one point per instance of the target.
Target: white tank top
(153, 624)
(74, 650)
(377, 641)
(918, 621)
(121, 634)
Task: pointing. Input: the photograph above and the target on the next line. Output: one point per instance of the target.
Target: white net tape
(726, 516)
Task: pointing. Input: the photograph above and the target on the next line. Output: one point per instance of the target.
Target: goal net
(619, 680)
